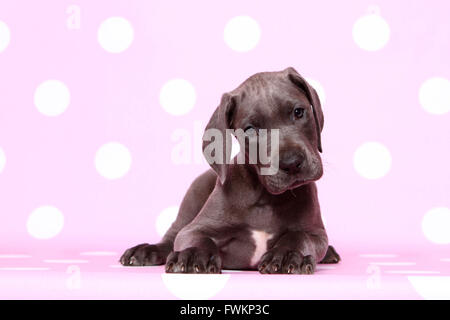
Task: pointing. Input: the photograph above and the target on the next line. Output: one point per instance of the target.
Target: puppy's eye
(250, 130)
(299, 112)
(247, 128)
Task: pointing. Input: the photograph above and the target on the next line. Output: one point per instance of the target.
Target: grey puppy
(233, 217)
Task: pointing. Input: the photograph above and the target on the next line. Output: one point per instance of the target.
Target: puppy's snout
(291, 162)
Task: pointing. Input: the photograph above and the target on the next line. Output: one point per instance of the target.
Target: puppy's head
(273, 100)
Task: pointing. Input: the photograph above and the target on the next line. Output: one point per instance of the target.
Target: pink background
(370, 96)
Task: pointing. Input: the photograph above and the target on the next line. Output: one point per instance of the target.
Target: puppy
(235, 216)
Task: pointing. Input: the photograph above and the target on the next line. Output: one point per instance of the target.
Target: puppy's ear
(216, 133)
(313, 98)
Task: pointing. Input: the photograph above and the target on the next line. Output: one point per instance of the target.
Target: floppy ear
(313, 98)
(218, 152)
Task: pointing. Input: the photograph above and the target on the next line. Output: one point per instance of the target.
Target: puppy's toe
(283, 260)
(272, 262)
(214, 264)
(308, 265)
(263, 266)
(172, 259)
(280, 260)
(144, 255)
(293, 263)
(125, 259)
(193, 260)
(276, 264)
(133, 261)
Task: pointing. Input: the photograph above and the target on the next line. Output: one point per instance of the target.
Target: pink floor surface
(97, 275)
(93, 155)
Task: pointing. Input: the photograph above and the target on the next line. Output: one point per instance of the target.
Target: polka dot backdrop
(102, 107)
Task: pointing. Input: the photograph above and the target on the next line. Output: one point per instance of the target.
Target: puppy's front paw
(145, 255)
(193, 260)
(286, 261)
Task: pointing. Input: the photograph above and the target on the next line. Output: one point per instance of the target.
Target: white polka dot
(51, 98)
(436, 225)
(45, 222)
(372, 160)
(434, 95)
(195, 286)
(115, 34)
(319, 89)
(177, 97)
(242, 33)
(5, 36)
(371, 32)
(2, 160)
(112, 160)
(431, 288)
(165, 219)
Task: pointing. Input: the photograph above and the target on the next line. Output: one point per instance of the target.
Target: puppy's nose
(292, 162)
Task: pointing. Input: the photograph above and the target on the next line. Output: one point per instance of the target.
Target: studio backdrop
(103, 106)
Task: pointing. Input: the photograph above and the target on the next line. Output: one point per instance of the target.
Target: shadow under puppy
(235, 217)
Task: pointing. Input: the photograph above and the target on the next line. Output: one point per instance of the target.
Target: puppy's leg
(331, 256)
(195, 249)
(155, 254)
(201, 257)
(296, 252)
(146, 254)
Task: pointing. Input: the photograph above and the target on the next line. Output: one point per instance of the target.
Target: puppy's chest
(260, 217)
(268, 218)
(260, 240)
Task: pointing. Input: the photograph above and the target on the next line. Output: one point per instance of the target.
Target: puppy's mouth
(297, 183)
(283, 182)
(278, 187)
